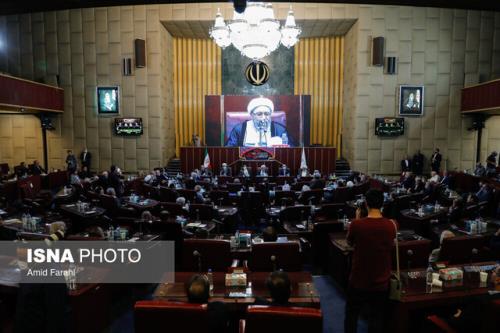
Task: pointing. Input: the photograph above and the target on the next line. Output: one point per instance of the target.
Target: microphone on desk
(273, 260)
(474, 254)
(198, 255)
(410, 254)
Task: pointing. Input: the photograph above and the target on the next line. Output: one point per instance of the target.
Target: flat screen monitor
(389, 126)
(108, 100)
(128, 126)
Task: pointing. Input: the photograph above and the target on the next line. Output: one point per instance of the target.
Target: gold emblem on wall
(257, 73)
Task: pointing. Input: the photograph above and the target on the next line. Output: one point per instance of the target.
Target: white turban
(260, 102)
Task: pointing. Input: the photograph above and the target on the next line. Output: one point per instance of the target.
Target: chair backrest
(287, 257)
(174, 209)
(188, 194)
(168, 194)
(33, 182)
(201, 211)
(264, 318)
(151, 316)
(215, 255)
(108, 202)
(414, 253)
(295, 213)
(343, 194)
(321, 231)
(331, 211)
(4, 168)
(460, 249)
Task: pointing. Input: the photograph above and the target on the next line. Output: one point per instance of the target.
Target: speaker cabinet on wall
(390, 65)
(378, 51)
(140, 53)
(127, 66)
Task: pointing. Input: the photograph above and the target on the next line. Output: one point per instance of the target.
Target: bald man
(260, 131)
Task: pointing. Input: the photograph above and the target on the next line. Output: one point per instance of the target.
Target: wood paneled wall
(319, 68)
(197, 72)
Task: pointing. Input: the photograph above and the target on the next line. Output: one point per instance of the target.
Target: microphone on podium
(410, 254)
(197, 254)
(273, 260)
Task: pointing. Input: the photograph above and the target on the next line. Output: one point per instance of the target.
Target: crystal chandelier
(255, 32)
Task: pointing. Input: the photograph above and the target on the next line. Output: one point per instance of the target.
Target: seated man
(36, 169)
(225, 170)
(262, 172)
(480, 170)
(284, 171)
(303, 172)
(434, 256)
(316, 183)
(205, 172)
(269, 234)
(286, 187)
(198, 291)
(199, 198)
(245, 172)
(279, 286)
(435, 177)
(408, 181)
(22, 170)
(484, 192)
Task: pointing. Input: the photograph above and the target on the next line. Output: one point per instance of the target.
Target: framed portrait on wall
(411, 100)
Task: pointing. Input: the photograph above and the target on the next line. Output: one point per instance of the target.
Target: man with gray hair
(260, 131)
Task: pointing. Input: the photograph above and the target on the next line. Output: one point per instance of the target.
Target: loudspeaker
(390, 65)
(127, 66)
(46, 122)
(378, 51)
(140, 53)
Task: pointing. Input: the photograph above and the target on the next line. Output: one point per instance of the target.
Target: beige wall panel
(142, 159)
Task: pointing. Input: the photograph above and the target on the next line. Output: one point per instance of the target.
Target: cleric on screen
(260, 131)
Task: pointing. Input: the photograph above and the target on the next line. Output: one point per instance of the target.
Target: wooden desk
(303, 293)
(93, 212)
(141, 205)
(420, 224)
(416, 297)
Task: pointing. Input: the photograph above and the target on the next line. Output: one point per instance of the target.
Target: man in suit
(316, 183)
(406, 164)
(284, 171)
(418, 163)
(245, 172)
(279, 286)
(225, 170)
(260, 131)
(36, 168)
(86, 158)
(436, 160)
(205, 172)
(22, 170)
(484, 192)
(71, 162)
(263, 171)
(198, 292)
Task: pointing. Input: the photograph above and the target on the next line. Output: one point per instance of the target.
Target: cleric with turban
(260, 131)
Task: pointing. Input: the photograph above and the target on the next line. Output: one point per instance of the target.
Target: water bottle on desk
(210, 278)
(428, 278)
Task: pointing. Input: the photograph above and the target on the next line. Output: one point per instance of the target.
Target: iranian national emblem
(257, 73)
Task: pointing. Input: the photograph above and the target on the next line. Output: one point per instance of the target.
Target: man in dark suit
(86, 158)
(279, 286)
(198, 292)
(36, 168)
(406, 164)
(71, 162)
(418, 163)
(225, 170)
(436, 161)
(284, 171)
(21, 170)
(316, 183)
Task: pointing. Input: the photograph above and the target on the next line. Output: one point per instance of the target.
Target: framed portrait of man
(411, 100)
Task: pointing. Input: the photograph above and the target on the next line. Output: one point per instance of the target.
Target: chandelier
(255, 32)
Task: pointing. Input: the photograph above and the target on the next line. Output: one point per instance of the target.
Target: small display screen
(108, 100)
(389, 126)
(128, 126)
